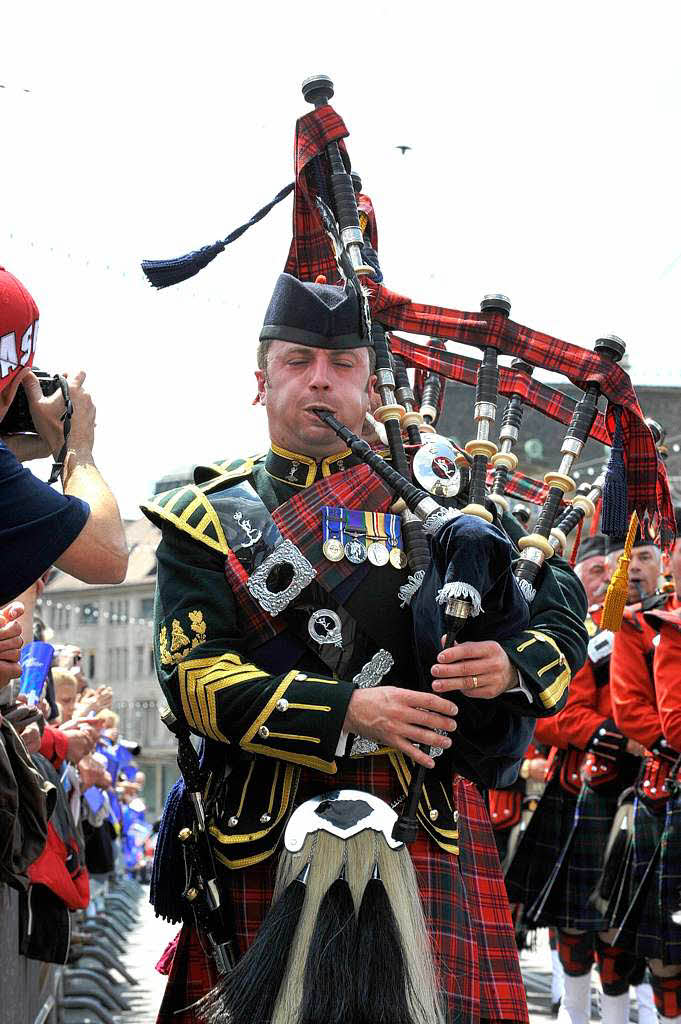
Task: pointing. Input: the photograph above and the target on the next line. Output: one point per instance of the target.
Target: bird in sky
(403, 149)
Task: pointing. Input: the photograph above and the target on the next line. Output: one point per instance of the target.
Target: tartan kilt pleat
(648, 928)
(541, 844)
(463, 897)
(567, 904)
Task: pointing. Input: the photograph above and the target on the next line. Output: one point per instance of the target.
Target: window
(62, 616)
(91, 665)
(139, 661)
(110, 665)
(147, 608)
(152, 667)
(89, 615)
(118, 611)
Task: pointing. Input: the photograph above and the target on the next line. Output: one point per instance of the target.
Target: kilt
(649, 929)
(564, 902)
(463, 897)
(541, 844)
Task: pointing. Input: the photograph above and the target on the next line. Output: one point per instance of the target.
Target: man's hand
(82, 741)
(479, 669)
(11, 642)
(31, 737)
(400, 718)
(47, 411)
(635, 748)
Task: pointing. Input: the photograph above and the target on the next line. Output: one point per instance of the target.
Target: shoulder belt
(190, 511)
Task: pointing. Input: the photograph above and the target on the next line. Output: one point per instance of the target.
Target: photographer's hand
(99, 554)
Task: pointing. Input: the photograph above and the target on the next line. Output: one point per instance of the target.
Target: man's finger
(420, 756)
(431, 721)
(428, 702)
(10, 643)
(470, 651)
(461, 669)
(427, 738)
(12, 611)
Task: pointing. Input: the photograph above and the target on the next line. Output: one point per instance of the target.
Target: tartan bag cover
(463, 898)
(311, 254)
(649, 929)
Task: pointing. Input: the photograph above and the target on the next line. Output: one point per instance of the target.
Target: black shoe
(555, 1007)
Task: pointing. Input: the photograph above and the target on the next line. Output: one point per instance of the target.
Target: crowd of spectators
(71, 811)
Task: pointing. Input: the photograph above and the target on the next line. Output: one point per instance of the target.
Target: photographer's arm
(99, 554)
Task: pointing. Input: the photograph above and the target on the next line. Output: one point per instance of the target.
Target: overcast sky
(545, 164)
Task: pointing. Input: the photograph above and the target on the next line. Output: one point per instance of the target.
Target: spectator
(80, 531)
(66, 692)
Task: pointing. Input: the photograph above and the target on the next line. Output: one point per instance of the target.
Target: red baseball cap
(18, 327)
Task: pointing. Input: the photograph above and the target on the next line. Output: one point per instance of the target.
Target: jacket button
(433, 815)
(506, 811)
(233, 822)
(653, 789)
(456, 815)
(263, 731)
(574, 775)
(282, 705)
(265, 818)
(646, 782)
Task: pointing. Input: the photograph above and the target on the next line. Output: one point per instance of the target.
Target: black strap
(58, 465)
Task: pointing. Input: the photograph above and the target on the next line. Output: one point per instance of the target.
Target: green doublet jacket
(266, 710)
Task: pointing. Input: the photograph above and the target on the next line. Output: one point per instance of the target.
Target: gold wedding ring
(475, 682)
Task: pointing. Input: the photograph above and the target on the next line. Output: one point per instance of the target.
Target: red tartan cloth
(464, 900)
(311, 254)
(552, 403)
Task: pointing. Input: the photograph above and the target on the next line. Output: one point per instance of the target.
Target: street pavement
(152, 935)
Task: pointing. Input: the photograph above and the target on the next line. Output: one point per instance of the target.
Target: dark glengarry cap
(640, 540)
(318, 315)
(591, 546)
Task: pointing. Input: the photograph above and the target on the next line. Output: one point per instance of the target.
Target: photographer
(80, 531)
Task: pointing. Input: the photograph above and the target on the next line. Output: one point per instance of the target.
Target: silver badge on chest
(280, 578)
(324, 626)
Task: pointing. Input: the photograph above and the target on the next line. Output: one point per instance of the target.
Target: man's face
(644, 569)
(300, 379)
(66, 698)
(593, 572)
(674, 562)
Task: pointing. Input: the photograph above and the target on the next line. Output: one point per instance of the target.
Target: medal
(333, 549)
(355, 551)
(398, 559)
(377, 553)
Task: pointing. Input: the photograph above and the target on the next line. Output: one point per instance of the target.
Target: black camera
(17, 419)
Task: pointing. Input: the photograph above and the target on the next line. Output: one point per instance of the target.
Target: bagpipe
(461, 562)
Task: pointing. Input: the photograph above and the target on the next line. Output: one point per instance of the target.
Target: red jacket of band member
(588, 707)
(667, 663)
(632, 688)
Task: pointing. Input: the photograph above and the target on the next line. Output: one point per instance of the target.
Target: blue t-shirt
(37, 525)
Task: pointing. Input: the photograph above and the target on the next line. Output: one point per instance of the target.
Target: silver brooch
(371, 675)
(245, 524)
(324, 626)
(286, 555)
(409, 589)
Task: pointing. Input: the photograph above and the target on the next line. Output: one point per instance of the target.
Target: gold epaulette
(189, 510)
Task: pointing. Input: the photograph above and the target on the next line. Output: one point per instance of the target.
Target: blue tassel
(614, 517)
(164, 273)
(167, 873)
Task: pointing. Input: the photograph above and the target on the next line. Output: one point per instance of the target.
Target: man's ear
(262, 387)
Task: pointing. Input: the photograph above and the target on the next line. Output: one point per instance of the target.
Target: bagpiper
(646, 707)
(330, 854)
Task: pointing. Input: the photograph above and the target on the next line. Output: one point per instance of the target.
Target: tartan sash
(298, 520)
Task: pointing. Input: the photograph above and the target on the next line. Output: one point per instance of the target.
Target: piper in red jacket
(641, 687)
